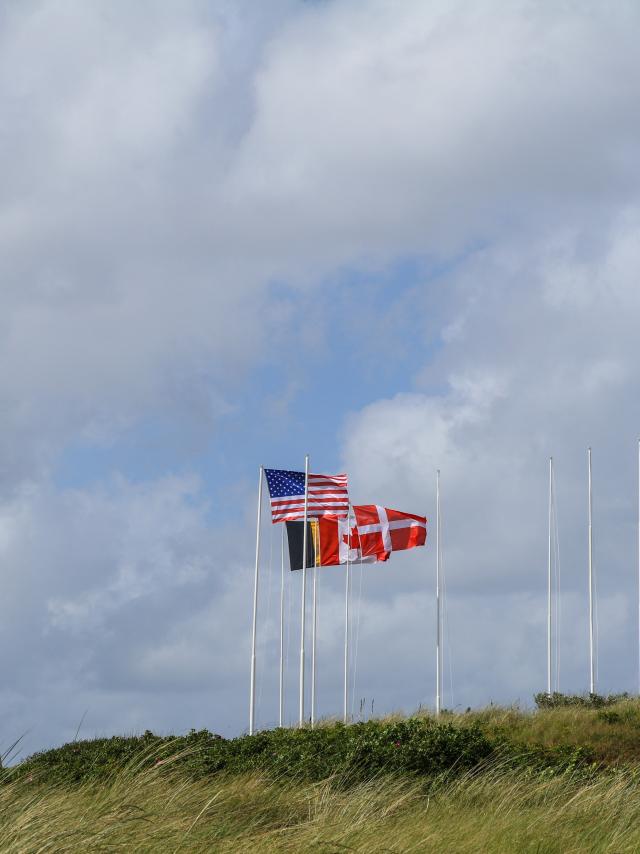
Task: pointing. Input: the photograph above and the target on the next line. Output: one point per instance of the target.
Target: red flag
(338, 544)
(381, 530)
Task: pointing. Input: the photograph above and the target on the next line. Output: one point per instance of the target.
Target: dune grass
(274, 793)
(498, 810)
(611, 734)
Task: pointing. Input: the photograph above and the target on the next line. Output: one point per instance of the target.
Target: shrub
(356, 752)
(99, 758)
(587, 701)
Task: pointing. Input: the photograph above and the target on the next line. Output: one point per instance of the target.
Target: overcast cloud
(398, 236)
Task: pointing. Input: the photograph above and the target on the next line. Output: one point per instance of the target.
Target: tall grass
(563, 780)
(611, 734)
(497, 810)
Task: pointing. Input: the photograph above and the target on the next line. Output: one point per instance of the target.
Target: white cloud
(544, 376)
(125, 589)
(389, 128)
(166, 165)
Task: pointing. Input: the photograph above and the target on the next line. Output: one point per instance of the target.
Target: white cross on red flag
(382, 531)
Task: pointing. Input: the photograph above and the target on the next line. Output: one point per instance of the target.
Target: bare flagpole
(549, 582)
(438, 571)
(345, 713)
(252, 690)
(592, 680)
(304, 587)
(281, 684)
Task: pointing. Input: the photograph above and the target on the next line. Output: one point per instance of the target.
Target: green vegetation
(352, 753)
(607, 734)
(563, 778)
(497, 811)
(584, 701)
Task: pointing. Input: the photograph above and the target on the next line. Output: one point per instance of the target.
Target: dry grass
(503, 808)
(495, 811)
(611, 734)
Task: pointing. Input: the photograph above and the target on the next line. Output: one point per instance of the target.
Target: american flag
(328, 495)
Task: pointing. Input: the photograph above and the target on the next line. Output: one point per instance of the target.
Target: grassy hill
(561, 779)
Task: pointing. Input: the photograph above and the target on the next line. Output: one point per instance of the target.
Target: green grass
(499, 810)
(609, 735)
(561, 779)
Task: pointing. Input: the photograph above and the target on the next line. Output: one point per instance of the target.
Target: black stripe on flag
(295, 531)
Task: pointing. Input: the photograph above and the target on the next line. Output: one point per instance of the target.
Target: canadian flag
(338, 544)
(382, 531)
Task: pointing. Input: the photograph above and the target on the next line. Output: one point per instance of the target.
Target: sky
(396, 237)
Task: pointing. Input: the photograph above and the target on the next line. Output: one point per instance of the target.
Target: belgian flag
(295, 536)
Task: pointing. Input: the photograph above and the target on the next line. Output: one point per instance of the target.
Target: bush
(100, 758)
(356, 752)
(585, 701)
(361, 750)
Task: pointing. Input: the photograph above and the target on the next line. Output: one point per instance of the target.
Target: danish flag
(382, 531)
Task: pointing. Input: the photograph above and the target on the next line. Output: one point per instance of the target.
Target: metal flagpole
(592, 680)
(252, 690)
(345, 713)
(314, 629)
(438, 569)
(549, 583)
(304, 586)
(639, 566)
(281, 685)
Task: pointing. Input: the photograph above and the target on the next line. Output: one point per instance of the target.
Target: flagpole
(281, 685)
(639, 566)
(252, 690)
(438, 570)
(592, 681)
(549, 583)
(304, 588)
(345, 713)
(314, 629)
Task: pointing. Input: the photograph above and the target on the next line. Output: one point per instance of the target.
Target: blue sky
(395, 237)
(344, 347)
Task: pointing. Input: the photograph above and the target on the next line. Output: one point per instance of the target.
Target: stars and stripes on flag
(329, 543)
(328, 495)
(382, 531)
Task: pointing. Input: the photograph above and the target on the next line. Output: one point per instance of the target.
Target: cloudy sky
(396, 236)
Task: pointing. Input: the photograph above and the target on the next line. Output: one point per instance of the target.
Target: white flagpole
(314, 629)
(345, 713)
(549, 583)
(438, 570)
(281, 685)
(304, 587)
(252, 690)
(592, 680)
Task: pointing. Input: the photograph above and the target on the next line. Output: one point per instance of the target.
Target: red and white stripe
(328, 495)
(382, 531)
